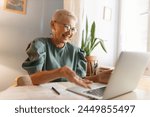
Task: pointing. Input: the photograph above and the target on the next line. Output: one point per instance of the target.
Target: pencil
(55, 90)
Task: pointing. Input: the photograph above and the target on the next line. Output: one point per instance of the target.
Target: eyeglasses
(68, 27)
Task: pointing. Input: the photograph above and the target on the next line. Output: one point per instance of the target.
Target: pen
(55, 90)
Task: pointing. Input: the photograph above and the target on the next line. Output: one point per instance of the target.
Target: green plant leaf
(103, 46)
(89, 41)
(93, 32)
(86, 43)
(86, 27)
(94, 42)
(101, 42)
(95, 45)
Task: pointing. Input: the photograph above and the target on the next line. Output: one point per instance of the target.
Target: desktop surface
(45, 92)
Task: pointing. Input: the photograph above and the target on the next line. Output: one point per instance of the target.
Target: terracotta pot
(92, 64)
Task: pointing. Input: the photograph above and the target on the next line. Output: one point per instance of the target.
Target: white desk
(44, 92)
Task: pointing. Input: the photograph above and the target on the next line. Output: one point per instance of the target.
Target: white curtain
(77, 7)
(134, 23)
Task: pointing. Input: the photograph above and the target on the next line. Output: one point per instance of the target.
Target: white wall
(105, 29)
(17, 30)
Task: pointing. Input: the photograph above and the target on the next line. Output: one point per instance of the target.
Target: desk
(44, 92)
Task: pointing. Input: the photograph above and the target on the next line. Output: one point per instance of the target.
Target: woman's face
(64, 30)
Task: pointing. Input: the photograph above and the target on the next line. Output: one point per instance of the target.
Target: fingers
(83, 82)
(73, 77)
(87, 81)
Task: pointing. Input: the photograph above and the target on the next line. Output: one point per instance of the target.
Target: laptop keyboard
(97, 92)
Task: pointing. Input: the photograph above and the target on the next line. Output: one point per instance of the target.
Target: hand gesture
(73, 77)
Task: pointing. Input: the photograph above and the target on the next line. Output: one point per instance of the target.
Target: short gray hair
(60, 14)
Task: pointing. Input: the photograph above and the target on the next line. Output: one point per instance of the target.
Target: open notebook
(128, 70)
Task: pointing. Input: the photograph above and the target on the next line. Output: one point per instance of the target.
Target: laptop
(129, 68)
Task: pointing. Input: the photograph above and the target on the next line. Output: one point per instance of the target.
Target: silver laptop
(128, 70)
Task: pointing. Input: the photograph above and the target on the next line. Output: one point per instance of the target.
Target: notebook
(129, 68)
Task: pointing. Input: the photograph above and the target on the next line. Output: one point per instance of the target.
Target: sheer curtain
(77, 7)
(134, 30)
(133, 35)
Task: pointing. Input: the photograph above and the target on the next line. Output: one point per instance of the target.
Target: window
(134, 25)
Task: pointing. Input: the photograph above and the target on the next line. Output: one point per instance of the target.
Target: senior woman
(55, 59)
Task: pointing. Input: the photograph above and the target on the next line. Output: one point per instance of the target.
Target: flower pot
(92, 65)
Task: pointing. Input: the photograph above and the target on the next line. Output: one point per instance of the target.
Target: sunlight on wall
(7, 76)
(1, 4)
(134, 26)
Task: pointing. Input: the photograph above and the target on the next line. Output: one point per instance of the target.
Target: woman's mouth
(66, 37)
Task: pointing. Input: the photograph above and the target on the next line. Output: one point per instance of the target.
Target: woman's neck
(57, 44)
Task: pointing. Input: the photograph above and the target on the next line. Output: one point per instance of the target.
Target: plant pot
(92, 64)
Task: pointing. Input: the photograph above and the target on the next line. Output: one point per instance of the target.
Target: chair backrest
(23, 80)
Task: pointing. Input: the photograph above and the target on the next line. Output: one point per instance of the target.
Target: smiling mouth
(66, 36)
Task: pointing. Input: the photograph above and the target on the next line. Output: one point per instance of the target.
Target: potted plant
(88, 44)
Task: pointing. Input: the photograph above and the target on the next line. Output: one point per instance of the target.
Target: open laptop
(128, 70)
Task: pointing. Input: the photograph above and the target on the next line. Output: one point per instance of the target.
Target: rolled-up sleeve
(36, 57)
(81, 65)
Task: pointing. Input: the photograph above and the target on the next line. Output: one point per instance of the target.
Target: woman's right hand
(73, 77)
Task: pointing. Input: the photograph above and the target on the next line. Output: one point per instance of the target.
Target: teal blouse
(43, 55)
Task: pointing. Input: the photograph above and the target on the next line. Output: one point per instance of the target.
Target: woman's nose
(69, 33)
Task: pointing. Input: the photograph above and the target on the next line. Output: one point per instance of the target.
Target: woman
(55, 59)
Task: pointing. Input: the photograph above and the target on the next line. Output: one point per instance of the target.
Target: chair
(23, 80)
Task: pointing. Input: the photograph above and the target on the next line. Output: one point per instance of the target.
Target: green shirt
(43, 55)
